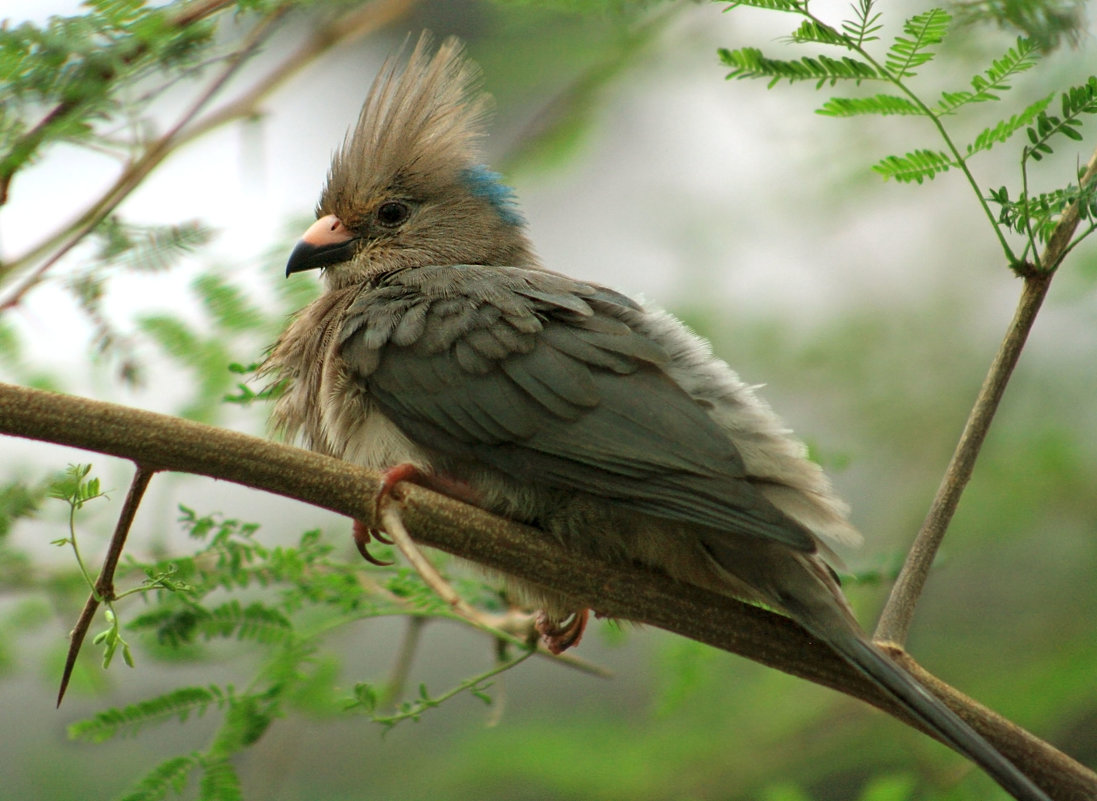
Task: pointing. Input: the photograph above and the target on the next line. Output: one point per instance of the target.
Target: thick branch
(898, 613)
(617, 590)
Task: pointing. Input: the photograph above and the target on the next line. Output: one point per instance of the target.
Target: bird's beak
(326, 242)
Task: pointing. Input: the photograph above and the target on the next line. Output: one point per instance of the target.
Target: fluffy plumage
(441, 342)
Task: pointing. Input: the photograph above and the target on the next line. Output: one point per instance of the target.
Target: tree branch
(616, 590)
(898, 613)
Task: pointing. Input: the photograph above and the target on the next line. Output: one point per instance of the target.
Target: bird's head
(407, 188)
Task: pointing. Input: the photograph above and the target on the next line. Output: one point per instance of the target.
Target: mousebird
(443, 350)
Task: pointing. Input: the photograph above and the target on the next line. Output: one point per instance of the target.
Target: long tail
(931, 711)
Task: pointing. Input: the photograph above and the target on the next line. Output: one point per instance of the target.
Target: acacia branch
(622, 591)
(898, 612)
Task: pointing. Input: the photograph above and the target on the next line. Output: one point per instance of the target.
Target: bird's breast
(357, 431)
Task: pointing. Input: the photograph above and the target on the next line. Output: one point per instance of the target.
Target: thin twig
(405, 655)
(393, 525)
(25, 146)
(103, 591)
(898, 613)
(131, 178)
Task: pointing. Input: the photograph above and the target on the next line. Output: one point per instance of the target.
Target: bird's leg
(364, 534)
(405, 471)
(558, 636)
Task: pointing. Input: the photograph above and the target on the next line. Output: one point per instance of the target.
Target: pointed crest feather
(418, 121)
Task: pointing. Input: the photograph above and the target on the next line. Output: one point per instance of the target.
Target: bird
(443, 351)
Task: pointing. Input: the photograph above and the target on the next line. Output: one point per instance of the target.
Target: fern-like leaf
(148, 248)
(995, 80)
(812, 31)
(220, 782)
(917, 166)
(169, 775)
(923, 31)
(748, 62)
(884, 105)
(866, 24)
(1041, 213)
(999, 133)
(252, 622)
(227, 304)
(178, 704)
(1076, 101)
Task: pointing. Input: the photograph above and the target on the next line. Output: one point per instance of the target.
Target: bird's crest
(419, 121)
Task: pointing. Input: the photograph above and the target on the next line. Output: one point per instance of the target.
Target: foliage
(305, 592)
(919, 44)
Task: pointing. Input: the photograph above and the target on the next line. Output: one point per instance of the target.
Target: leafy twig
(898, 612)
(366, 698)
(131, 178)
(103, 589)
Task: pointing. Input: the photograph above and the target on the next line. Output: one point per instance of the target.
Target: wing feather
(516, 369)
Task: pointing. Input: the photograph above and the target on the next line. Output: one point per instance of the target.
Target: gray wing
(536, 376)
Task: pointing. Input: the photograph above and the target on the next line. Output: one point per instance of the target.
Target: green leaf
(866, 25)
(220, 782)
(908, 53)
(170, 775)
(1046, 22)
(883, 105)
(18, 500)
(1074, 102)
(227, 304)
(917, 166)
(748, 62)
(178, 704)
(999, 133)
(812, 31)
(1042, 212)
(992, 82)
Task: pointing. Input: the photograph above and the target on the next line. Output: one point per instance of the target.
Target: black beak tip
(306, 256)
(300, 258)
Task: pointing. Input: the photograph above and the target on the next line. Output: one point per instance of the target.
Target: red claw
(559, 636)
(405, 471)
(363, 534)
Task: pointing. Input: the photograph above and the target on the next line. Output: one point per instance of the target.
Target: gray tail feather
(932, 712)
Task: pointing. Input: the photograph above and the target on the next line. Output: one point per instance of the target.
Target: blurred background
(869, 309)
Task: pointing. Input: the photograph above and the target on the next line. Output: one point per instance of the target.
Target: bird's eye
(392, 213)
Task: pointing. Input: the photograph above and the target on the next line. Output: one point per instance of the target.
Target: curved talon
(363, 535)
(559, 636)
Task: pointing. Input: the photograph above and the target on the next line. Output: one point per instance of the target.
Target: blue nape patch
(487, 184)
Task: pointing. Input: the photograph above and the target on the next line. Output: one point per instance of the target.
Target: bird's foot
(405, 471)
(363, 534)
(558, 636)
